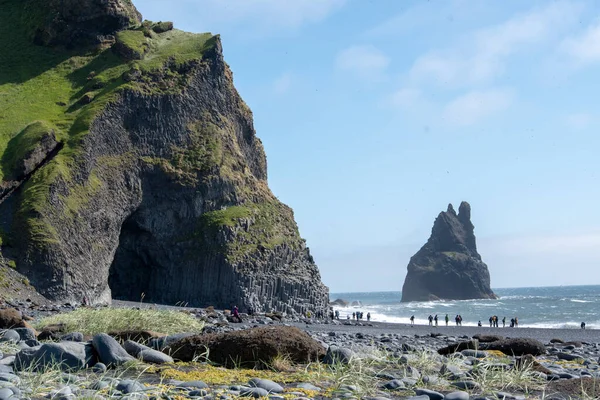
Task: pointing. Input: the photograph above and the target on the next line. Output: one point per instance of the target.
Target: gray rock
(162, 342)
(70, 355)
(508, 396)
(421, 397)
(127, 386)
(26, 333)
(109, 350)
(6, 368)
(99, 385)
(99, 368)
(432, 394)
(154, 357)
(193, 384)
(11, 378)
(198, 393)
(394, 384)
(307, 386)
(10, 335)
(134, 348)
(73, 337)
(474, 353)
(32, 343)
(409, 381)
(266, 384)
(255, 392)
(468, 385)
(7, 393)
(338, 355)
(568, 357)
(457, 396)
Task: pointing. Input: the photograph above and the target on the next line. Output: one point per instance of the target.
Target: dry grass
(92, 321)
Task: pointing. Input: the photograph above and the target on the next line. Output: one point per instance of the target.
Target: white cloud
(405, 98)
(475, 106)
(248, 16)
(367, 62)
(585, 48)
(579, 120)
(483, 54)
(283, 83)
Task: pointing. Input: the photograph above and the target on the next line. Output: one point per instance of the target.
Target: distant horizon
(493, 288)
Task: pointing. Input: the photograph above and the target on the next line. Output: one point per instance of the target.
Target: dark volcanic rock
(164, 193)
(80, 22)
(448, 265)
(516, 346)
(249, 347)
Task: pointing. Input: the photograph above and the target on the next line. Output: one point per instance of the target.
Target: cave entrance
(132, 270)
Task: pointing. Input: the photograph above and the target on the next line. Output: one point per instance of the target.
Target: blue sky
(376, 114)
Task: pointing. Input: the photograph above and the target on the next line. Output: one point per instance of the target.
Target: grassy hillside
(65, 89)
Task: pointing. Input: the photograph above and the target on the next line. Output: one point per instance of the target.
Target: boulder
(11, 318)
(10, 335)
(516, 346)
(140, 336)
(70, 355)
(249, 347)
(73, 337)
(109, 350)
(146, 354)
(337, 354)
(487, 338)
(448, 266)
(460, 346)
(266, 384)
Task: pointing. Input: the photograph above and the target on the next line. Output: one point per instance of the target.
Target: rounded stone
(10, 335)
(457, 396)
(255, 392)
(127, 386)
(266, 384)
(432, 394)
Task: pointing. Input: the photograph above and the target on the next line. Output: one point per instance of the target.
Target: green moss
(12, 264)
(80, 195)
(134, 41)
(270, 224)
(22, 144)
(48, 84)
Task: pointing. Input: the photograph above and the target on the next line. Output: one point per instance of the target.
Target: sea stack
(130, 167)
(448, 266)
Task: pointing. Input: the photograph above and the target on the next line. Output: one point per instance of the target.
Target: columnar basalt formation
(448, 266)
(143, 177)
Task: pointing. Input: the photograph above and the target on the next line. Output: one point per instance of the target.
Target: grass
(134, 41)
(92, 321)
(41, 88)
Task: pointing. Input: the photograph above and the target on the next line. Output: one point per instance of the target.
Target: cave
(133, 267)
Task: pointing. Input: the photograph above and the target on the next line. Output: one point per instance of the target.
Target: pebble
(255, 392)
(431, 394)
(457, 396)
(129, 386)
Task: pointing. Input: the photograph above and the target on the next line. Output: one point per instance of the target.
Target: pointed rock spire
(448, 265)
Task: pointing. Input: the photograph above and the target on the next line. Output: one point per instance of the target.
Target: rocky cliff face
(448, 265)
(148, 182)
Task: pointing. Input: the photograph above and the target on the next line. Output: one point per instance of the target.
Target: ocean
(536, 307)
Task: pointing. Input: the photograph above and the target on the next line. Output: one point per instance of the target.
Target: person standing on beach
(368, 317)
(430, 318)
(459, 320)
(353, 315)
(412, 320)
(436, 320)
(456, 319)
(504, 322)
(447, 319)
(516, 322)
(479, 323)
(583, 325)
(491, 321)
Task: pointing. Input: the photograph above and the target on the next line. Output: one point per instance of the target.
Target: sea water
(535, 307)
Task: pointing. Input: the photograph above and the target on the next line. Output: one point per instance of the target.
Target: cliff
(131, 168)
(448, 266)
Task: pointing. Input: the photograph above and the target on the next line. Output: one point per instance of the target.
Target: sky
(375, 114)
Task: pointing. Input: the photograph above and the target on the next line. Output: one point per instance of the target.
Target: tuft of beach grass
(91, 321)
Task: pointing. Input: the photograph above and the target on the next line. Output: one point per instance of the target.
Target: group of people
(494, 321)
(514, 322)
(356, 316)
